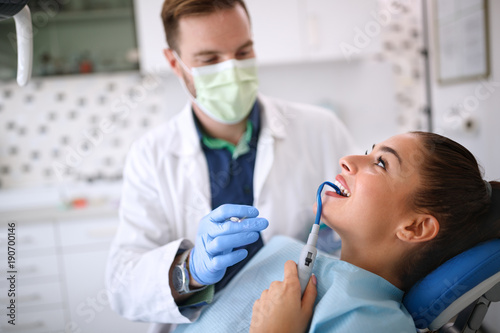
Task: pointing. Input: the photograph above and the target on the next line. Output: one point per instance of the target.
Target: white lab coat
(166, 191)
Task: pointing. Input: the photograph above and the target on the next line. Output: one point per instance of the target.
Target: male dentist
(192, 186)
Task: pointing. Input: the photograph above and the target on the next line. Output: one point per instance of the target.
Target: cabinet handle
(26, 240)
(29, 298)
(22, 299)
(3, 238)
(313, 31)
(20, 240)
(20, 327)
(102, 232)
(32, 269)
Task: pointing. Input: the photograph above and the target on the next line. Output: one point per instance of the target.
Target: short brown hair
(174, 10)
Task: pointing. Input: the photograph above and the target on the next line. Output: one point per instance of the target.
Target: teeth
(343, 190)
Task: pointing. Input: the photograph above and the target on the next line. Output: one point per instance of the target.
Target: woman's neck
(382, 263)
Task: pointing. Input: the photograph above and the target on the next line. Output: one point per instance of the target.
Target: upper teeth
(343, 190)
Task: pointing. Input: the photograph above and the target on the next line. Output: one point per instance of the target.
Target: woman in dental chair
(414, 201)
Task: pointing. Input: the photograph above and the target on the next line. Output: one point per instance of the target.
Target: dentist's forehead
(227, 28)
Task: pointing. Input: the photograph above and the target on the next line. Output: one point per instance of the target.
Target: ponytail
(492, 217)
(454, 192)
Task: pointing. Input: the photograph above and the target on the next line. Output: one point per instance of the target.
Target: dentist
(192, 186)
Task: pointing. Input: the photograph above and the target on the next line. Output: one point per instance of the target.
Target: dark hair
(454, 192)
(174, 10)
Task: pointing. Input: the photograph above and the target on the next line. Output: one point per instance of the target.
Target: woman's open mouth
(343, 191)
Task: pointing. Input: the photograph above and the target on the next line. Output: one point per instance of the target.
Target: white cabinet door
(332, 26)
(277, 30)
(30, 238)
(82, 234)
(38, 291)
(85, 245)
(88, 299)
(150, 36)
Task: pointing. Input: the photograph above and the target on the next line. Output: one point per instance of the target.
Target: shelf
(96, 14)
(85, 15)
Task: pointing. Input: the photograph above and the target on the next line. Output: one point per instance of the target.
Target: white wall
(361, 93)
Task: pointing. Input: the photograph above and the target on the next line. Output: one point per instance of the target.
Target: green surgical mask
(226, 91)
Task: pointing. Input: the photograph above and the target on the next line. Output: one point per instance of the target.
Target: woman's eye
(381, 163)
(373, 147)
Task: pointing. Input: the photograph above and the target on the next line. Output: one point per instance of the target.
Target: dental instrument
(235, 220)
(309, 251)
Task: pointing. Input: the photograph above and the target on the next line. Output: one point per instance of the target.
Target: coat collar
(273, 120)
(185, 138)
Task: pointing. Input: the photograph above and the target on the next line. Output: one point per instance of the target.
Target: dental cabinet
(127, 34)
(75, 37)
(310, 30)
(285, 31)
(60, 262)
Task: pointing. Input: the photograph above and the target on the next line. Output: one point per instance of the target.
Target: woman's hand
(280, 308)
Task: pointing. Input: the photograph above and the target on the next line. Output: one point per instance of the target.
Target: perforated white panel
(74, 128)
(402, 46)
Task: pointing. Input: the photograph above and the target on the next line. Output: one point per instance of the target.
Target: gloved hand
(217, 237)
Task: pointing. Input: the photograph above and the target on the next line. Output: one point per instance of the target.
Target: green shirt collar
(236, 150)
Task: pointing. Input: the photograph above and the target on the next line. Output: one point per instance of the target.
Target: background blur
(100, 81)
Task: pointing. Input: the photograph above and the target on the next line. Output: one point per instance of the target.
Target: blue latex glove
(217, 237)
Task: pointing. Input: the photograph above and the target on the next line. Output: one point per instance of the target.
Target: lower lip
(334, 194)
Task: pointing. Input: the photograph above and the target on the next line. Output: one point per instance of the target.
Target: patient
(415, 201)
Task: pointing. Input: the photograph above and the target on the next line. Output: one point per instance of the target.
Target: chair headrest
(429, 297)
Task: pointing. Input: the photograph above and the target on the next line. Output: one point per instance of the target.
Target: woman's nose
(351, 164)
(347, 164)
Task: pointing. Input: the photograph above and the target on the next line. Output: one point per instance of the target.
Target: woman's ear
(424, 228)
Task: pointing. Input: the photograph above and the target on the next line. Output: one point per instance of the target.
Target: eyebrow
(211, 52)
(390, 150)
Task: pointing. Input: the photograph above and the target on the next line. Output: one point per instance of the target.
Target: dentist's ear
(424, 228)
(172, 61)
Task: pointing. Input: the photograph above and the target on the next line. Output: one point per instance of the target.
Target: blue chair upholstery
(464, 285)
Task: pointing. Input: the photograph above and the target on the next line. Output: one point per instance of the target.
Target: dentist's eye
(208, 60)
(381, 163)
(243, 54)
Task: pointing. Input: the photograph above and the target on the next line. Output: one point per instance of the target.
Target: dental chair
(456, 296)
